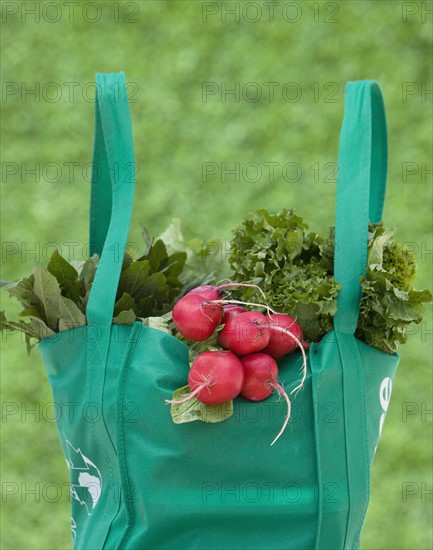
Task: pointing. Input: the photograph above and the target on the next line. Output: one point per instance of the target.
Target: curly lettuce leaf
(389, 304)
(295, 270)
(290, 265)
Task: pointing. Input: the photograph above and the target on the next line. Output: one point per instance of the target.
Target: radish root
(234, 285)
(304, 357)
(240, 302)
(189, 396)
(277, 386)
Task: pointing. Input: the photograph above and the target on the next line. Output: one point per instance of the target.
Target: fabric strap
(110, 214)
(112, 195)
(362, 169)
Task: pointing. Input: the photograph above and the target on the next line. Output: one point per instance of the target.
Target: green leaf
(205, 260)
(40, 328)
(70, 315)
(47, 289)
(146, 237)
(158, 323)
(23, 292)
(157, 255)
(88, 271)
(175, 264)
(35, 329)
(30, 312)
(156, 286)
(125, 318)
(67, 276)
(127, 259)
(77, 265)
(133, 279)
(125, 303)
(145, 306)
(61, 269)
(195, 410)
(12, 326)
(375, 253)
(172, 237)
(424, 296)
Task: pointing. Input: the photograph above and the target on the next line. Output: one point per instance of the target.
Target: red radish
(261, 372)
(209, 292)
(245, 333)
(231, 310)
(196, 318)
(281, 344)
(215, 377)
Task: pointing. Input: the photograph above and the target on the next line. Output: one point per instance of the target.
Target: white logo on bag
(385, 398)
(73, 529)
(86, 480)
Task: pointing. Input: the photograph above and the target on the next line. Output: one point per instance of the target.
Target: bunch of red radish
(252, 341)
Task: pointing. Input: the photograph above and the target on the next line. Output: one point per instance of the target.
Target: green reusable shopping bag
(139, 481)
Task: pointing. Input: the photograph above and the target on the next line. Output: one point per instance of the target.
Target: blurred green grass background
(168, 50)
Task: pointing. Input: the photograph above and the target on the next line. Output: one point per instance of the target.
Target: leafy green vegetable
(132, 279)
(40, 328)
(36, 329)
(158, 323)
(389, 304)
(125, 303)
(206, 261)
(153, 280)
(295, 270)
(70, 315)
(195, 410)
(55, 299)
(23, 291)
(292, 267)
(13, 326)
(67, 277)
(125, 318)
(46, 288)
(88, 270)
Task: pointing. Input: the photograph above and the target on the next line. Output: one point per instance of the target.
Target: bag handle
(362, 169)
(112, 194)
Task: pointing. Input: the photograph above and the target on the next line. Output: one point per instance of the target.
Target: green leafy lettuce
(389, 304)
(294, 268)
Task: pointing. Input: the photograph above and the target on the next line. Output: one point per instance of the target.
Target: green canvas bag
(139, 481)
